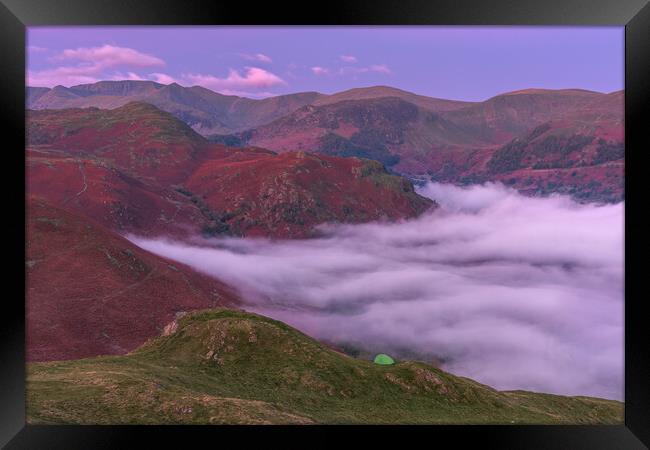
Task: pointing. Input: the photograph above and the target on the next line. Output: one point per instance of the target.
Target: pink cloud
(253, 78)
(162, 78)
(66, 76)
(110, 56)
(348, 58)
(93, 64)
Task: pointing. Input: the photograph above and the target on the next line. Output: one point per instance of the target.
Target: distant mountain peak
(571, 91)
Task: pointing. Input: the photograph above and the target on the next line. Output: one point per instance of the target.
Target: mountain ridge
(416, 136)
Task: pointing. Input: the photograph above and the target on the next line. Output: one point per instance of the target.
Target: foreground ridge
(223, 366)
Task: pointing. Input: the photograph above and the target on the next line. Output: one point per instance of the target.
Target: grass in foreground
(232, 367)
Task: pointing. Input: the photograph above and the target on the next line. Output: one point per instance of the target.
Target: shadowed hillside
(205, 110)
(92, 292)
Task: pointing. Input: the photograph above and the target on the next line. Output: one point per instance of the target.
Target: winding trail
(83, 178)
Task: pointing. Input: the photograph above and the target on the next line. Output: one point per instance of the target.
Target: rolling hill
(365, 93)
(230, 367)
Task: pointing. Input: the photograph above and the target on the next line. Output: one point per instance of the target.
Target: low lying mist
(514, 292)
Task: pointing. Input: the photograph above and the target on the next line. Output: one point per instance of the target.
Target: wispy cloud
(348, 59)
(65, 76)
(517, 293)
(108, 56)
(128, 76)
(352, 70)
(318, 70)
(260, 57)
(36, 49)
(377, 68)
(248, 94)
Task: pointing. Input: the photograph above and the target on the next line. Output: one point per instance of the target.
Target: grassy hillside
(224, 366)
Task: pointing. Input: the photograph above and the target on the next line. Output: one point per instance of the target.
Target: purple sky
(465, 63)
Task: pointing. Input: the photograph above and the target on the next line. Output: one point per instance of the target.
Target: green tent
(384, 360)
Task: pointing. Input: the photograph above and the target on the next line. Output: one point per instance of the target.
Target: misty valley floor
(492, 280)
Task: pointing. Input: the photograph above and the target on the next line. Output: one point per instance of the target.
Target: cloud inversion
(515, 292)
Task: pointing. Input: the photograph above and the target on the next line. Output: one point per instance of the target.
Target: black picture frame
(16, 15)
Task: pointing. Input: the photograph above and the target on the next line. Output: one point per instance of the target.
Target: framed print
(414, 218)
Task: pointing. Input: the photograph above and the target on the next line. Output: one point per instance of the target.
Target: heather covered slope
(468, 143)
(139, 169)
(224, 366)
(91, 292)
(385, 129)
(407, 125)
(581, 154)
(506, 116)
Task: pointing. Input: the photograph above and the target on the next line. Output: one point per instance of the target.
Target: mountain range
(205, 110)
(416, 136)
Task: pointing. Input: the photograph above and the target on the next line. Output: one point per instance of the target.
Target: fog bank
(514, 292)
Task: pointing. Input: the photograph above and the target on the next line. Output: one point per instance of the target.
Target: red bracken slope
(138, 169)
(287, 195)
(138, 138)
(98, 189)
(91, 292)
